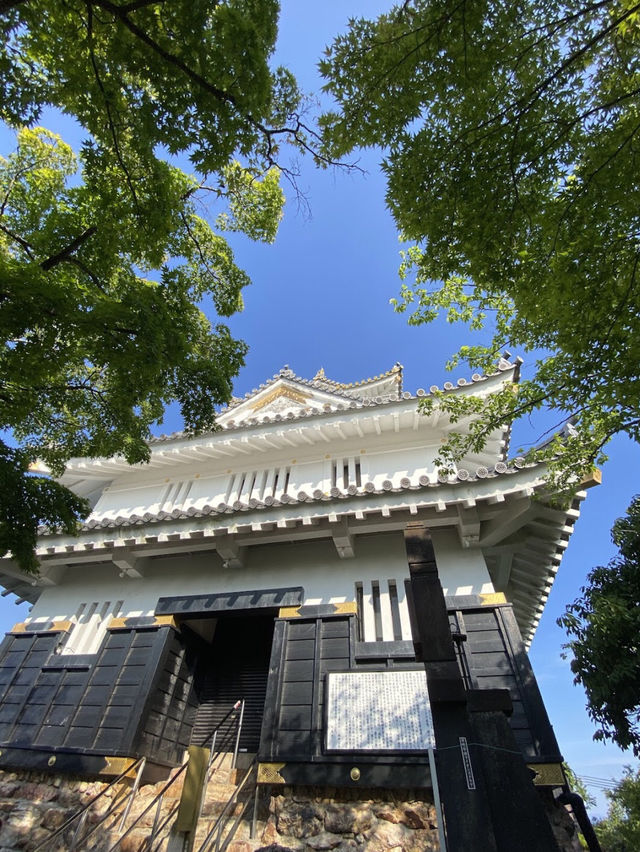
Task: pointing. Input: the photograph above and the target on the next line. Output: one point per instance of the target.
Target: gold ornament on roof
(288, 393)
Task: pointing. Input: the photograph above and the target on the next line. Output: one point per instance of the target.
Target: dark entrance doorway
(234, 666)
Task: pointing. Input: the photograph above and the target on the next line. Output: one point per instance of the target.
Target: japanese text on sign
(378, 711)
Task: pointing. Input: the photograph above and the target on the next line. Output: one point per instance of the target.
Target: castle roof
(200, 491)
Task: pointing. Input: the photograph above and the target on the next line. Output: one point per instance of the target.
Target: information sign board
(378, 711)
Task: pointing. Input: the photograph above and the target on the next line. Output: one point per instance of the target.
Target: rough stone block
(240, 846)
(38, 792)
(54, 817)
(346, 818)
(8, 788)
(273, 847)
(134, 842)
(24, 817)
(326, 840)
(299, 820)
(36, 837)
(270, 834)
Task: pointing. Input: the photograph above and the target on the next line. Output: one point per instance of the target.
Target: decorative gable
(288, 396)
(284, 397)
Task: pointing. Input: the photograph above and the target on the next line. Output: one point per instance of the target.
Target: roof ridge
(321, 376)
(286, 372)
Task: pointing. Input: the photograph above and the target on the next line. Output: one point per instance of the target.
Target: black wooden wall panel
(94, 704)
(495, 656)
(275, 689)
(335, 655)
(304, 650)
(296, 698)
(135, 696)
(122, 680)
(167, 721)
(543, 736)
(23, 685)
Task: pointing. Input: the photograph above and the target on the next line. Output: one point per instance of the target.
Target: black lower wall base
(351, 774)
(132, 697)
(76, 763)
(66, 763)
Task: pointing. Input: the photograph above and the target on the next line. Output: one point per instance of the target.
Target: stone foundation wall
(34, 804)
(309, 818)
(299, 819)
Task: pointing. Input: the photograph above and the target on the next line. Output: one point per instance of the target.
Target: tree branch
(112, 128)
(196, 243)
(25, 245)
(140, 4)
(527, 101)
(88, 272)
(14, 178)
(66, 252)
(120, 12)
(227, 98)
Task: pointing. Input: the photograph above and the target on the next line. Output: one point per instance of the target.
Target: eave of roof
(545, 530)
(500, 470)
(103, 467)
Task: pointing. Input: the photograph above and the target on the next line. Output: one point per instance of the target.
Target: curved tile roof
(341, 390)
(423, 482)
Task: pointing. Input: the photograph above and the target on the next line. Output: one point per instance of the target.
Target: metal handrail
(234, 827)
(212, 734)
(218, 826)
(214, 755)
(158, 824)
(155, 801)
(239, 731)
(111, 811)
(84, 810)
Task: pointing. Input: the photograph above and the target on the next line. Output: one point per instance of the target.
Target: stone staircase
(220, 789)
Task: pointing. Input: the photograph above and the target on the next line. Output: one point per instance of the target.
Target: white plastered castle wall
(462, 571)
(376, 573)
(314, 565)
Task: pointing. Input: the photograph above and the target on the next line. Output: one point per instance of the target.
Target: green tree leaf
(620, 830)
(604, 629)
(106, 258)
(510, 134)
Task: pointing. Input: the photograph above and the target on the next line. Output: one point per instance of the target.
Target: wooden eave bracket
(47, 576)
(128, 564)
(342, 539)
(593, 478)
(468, 526)
(230, 552)
(498, 529)
(502, 572)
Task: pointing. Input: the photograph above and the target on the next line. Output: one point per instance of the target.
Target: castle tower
(274, 560)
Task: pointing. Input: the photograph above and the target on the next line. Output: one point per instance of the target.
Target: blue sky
(320, 298)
